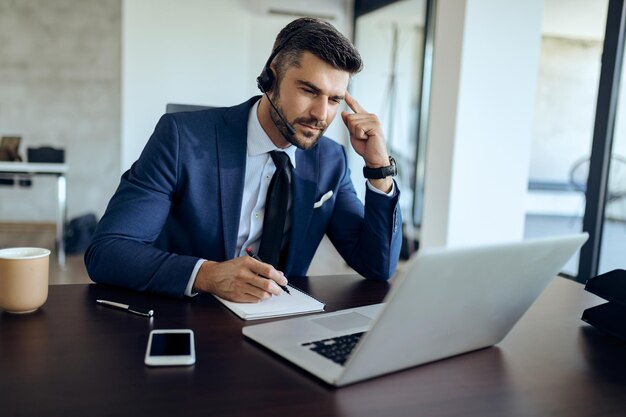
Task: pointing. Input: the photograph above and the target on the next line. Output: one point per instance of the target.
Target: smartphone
(171, 347)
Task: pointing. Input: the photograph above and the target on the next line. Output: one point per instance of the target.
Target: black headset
(266, 80)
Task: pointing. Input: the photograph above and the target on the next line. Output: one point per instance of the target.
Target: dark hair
(318, 37)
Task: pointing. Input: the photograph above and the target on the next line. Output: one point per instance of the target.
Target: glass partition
(391, 40)
(613, 246)
(569, 73)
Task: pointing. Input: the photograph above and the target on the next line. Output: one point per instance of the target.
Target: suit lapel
(232, 138)
(304, 182)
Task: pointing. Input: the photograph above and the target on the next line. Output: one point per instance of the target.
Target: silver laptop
(444, 302)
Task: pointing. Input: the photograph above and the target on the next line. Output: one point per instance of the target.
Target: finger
(344, 116)
(256, 286)
(351, 123)
(268, 271)
(279, 277)
(353, 104)
(363, 129)
(256, 292)
(268, 286)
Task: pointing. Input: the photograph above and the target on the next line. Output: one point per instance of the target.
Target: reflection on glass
(391, 41)
(569, 73)
(614, 229)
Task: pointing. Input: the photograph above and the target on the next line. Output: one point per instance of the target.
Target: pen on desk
(135, 310)
(251, 253)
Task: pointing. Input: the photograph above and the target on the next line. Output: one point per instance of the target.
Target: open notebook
(279, 305)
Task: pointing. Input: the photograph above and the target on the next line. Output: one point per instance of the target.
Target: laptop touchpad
(343, 321)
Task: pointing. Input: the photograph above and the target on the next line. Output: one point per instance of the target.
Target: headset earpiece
(265, 81)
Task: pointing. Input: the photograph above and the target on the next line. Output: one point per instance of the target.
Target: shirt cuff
(376, 190)
(192, 279)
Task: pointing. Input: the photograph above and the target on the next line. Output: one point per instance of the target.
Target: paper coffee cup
(23, 279)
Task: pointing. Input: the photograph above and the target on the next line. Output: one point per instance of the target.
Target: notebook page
(279, 305)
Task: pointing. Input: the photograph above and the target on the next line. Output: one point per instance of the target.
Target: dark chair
(176, 108)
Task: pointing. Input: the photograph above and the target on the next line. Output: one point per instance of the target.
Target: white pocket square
(325, 197)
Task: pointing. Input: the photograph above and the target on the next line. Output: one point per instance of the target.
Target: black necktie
(275, 211)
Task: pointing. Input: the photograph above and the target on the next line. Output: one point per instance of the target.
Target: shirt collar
(258, 141)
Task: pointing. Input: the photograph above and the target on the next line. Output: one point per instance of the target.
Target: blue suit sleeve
(368, 237)
(122, 251)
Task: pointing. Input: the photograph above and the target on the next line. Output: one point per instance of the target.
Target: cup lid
(23, 253)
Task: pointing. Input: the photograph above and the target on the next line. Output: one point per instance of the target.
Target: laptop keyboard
(337, 349)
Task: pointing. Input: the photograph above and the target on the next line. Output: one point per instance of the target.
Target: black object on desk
(46, 154)
(609, 317)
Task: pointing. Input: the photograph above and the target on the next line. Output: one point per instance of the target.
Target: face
(308, 96)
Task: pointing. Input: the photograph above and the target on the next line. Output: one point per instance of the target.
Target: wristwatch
(383, 172)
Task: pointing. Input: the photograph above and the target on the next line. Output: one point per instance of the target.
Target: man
(207, 187)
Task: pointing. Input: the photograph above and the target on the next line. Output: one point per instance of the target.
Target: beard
(303, 140)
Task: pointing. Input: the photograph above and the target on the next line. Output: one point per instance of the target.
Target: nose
(319, 109)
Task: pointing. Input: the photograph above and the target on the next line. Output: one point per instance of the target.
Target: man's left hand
(367, 139)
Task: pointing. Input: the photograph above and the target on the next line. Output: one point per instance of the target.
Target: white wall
(193, 52)
(483, 89)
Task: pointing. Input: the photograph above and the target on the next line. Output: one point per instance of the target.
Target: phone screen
(170, 344)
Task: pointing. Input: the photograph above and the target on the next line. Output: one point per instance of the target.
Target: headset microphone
(288, 125)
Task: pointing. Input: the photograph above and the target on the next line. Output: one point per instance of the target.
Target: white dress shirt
(259, 171)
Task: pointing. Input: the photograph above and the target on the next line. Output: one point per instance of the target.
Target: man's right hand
(238, 280)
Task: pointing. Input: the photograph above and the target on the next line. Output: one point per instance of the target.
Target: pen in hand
(251, 253)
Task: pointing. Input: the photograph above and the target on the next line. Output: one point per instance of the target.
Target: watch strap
(379, 173)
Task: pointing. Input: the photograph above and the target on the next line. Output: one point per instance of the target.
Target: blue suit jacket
(181, 201)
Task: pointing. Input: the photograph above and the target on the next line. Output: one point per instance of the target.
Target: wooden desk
(75, 358)
(17, 170)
